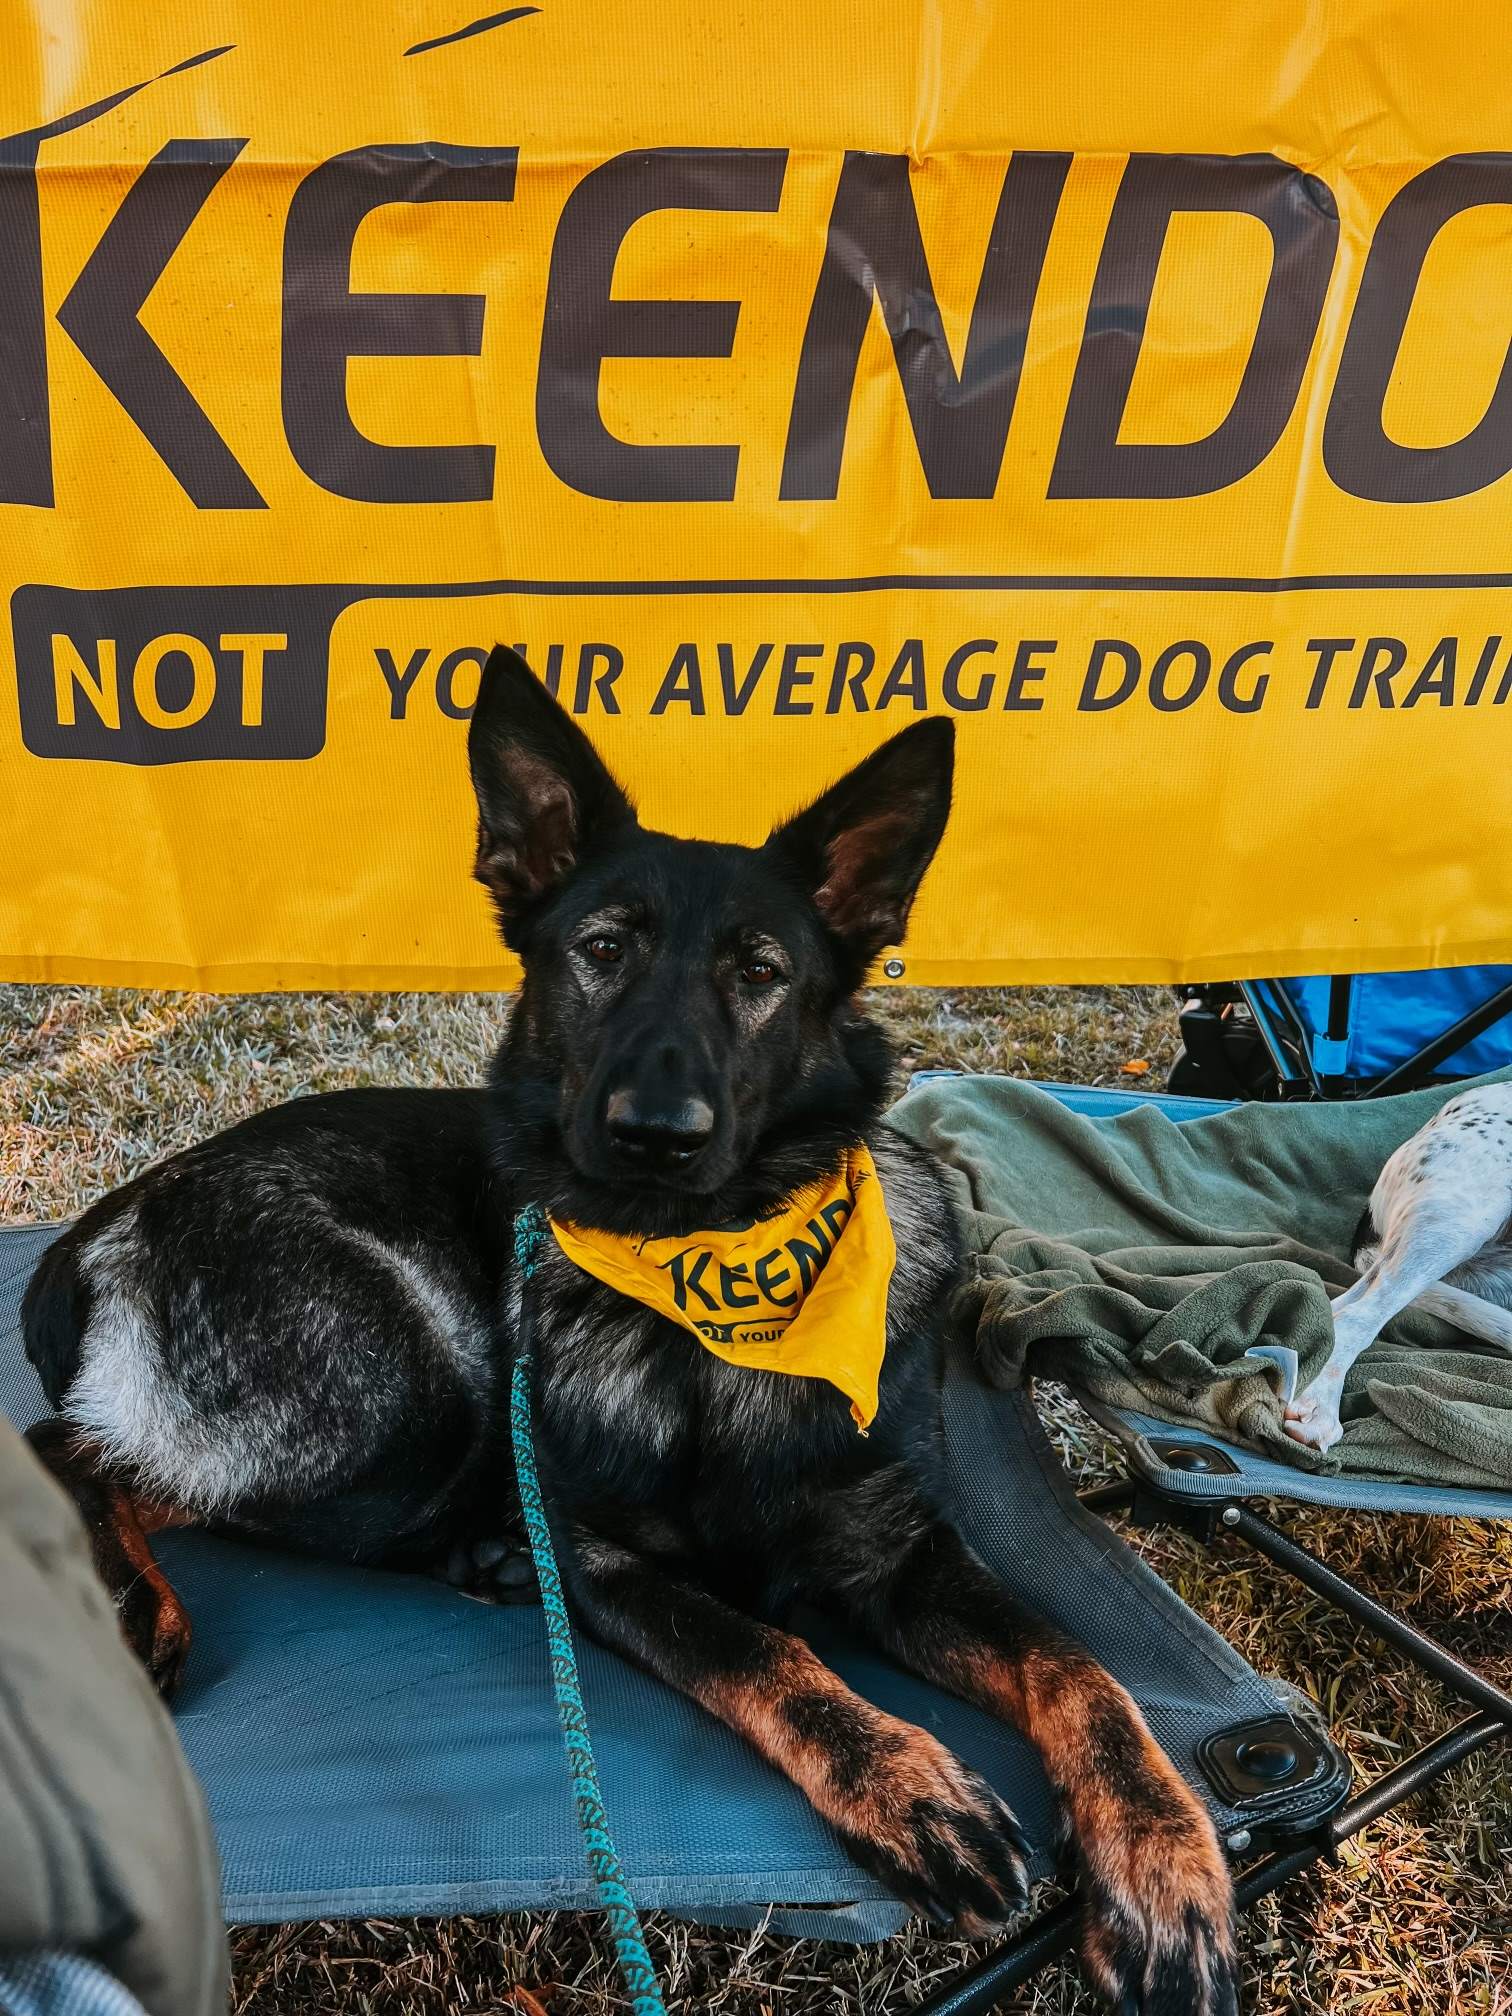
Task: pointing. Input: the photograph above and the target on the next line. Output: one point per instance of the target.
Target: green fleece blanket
(1175, 1269)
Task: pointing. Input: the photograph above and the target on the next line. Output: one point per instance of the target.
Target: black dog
(305, 1327)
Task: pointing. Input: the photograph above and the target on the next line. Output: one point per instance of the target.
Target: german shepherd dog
(304, 1329)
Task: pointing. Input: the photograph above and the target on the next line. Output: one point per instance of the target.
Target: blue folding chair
(1343, 1036)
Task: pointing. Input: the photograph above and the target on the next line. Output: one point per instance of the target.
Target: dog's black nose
(651, 1132)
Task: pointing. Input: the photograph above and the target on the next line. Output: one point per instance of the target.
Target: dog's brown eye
(758, 973)
(608, 951)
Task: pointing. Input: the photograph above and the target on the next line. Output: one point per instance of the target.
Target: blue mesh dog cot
(377, 1744)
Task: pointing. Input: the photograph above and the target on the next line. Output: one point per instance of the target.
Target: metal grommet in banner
(893, 968)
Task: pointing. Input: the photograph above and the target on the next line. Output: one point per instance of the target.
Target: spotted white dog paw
(1313, 1418)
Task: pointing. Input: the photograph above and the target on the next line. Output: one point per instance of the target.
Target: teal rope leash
(635, 1966)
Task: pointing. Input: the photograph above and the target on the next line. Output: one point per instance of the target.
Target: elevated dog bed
(1106, 1223)
(1184, 1475)
(373, 1744)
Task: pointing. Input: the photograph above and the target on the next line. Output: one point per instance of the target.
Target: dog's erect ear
(862, 848)
(545, 798)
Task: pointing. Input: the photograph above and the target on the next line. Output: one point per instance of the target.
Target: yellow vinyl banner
(1132, 385)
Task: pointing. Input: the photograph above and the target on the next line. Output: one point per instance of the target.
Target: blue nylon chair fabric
(1392, 1015)
(375, 1744)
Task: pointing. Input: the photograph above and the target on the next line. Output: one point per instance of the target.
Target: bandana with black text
(803, 1293)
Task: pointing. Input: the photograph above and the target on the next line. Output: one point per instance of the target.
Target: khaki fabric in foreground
(1149, 1262)
(105, 1849)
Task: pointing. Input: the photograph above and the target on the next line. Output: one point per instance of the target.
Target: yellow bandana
(803, 1293)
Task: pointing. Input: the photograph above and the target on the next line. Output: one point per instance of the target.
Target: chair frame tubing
(981, 1986)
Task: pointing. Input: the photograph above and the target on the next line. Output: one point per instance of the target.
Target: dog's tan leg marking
(120, 1523)
(908, 1810)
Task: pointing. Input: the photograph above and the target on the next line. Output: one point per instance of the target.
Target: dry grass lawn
(1415, 1921)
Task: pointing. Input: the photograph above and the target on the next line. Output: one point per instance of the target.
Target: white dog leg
(1444, 1197)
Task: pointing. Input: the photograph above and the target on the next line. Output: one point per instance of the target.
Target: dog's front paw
(1313, 1418)
(1158, 1912)
(936, 1834)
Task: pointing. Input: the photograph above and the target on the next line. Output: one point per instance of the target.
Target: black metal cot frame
(981, 1986)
